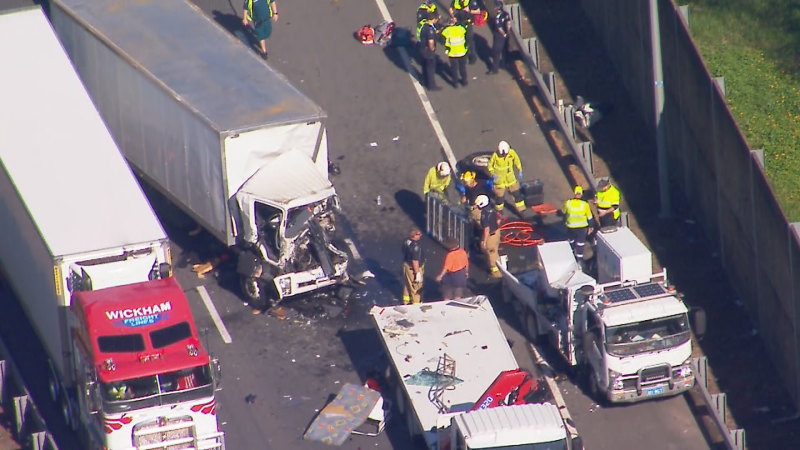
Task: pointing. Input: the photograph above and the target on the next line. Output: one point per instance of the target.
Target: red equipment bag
(480, 19)
(366, 35)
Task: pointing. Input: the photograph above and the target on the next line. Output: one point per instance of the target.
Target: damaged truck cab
(295, 239)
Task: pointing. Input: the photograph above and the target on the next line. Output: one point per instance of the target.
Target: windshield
(163, 389)
(560, 444)
(647, 336)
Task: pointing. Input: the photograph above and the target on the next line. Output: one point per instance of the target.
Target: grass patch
(755, 45)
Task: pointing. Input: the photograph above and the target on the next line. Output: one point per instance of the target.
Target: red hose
(519, 234)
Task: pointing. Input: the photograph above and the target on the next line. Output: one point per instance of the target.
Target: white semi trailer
(89, 262)
(221, 134)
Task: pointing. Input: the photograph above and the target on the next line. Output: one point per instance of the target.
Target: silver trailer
(220, 133)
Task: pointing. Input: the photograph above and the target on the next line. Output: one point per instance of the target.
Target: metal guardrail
(582, 151)
(30, 429)
(443, 221)
(717, 404)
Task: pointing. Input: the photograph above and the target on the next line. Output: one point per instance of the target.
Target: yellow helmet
(468, 176)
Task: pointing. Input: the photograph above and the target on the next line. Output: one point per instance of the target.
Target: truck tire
(257, 293)
(68, 412)
(53, 386)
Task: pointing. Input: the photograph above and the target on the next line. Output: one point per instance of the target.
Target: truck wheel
(532, 327)
(53, 386)
(68, 412)
(256, 293)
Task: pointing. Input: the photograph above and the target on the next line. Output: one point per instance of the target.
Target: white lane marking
(548, 372)
(423, 96)
(223, 332)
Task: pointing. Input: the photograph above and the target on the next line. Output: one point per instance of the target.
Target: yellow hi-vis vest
(460, 4)
(504, 167)
(420, 26)
(455, 41)
(433, 182)
(608, 198)
(577, 213)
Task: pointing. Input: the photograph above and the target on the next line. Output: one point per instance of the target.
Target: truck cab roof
(511, 425)
(138, 330)
(632, 312)
(288, 180)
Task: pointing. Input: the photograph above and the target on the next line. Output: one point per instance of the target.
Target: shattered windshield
(163, 389)
(648, 336)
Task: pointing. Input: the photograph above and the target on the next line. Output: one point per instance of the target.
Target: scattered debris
(396, 138)
(250, 398)
(373, 144)
(202, 269)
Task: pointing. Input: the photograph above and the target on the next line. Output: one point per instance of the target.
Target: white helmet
(443, 168)
(503, 148)
(481, 201)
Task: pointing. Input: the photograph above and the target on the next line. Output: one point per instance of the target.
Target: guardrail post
(2, 378)
(20, 409)
(569, 120)
(684, 10)
(39, 440)
(759, 155)
(532, 49)
(586, 149)
(516, 18)
(550, 86)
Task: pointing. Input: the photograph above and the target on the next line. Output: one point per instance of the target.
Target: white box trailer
(72, 210)
(89, 262)
(459, 347)
(218, 132)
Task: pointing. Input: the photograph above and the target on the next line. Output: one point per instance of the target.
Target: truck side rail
(660, 277)
(30, 429)
(564, 120)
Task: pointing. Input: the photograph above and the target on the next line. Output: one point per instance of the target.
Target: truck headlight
(685, 370)
(615, 380)
(286, 286)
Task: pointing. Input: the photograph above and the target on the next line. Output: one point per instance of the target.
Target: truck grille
(655, 374)
(172, 433)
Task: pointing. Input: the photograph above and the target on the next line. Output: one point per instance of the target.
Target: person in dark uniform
(413, 267)
(426, 38)
(470, 188)
(500, 31)
(426, 8)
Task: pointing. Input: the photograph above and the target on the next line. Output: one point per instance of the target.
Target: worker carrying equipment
(437, 180)
(505, 168)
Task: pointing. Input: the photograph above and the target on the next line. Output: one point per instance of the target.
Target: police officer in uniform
(426, 40)
(500, 31)
(455, 43)
(425, 9)
(413, 267)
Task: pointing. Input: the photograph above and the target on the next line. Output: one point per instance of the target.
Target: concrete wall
(711, 162)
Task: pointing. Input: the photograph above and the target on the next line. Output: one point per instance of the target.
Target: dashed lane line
(423, 96)
(223, 332)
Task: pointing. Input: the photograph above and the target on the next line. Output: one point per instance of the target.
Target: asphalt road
(278, 373)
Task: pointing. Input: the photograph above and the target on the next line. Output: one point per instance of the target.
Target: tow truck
(458, 385)
(626, 333)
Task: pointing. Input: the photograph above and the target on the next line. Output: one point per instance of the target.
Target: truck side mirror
(217, 368)
(697, 318)
(577, 443)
